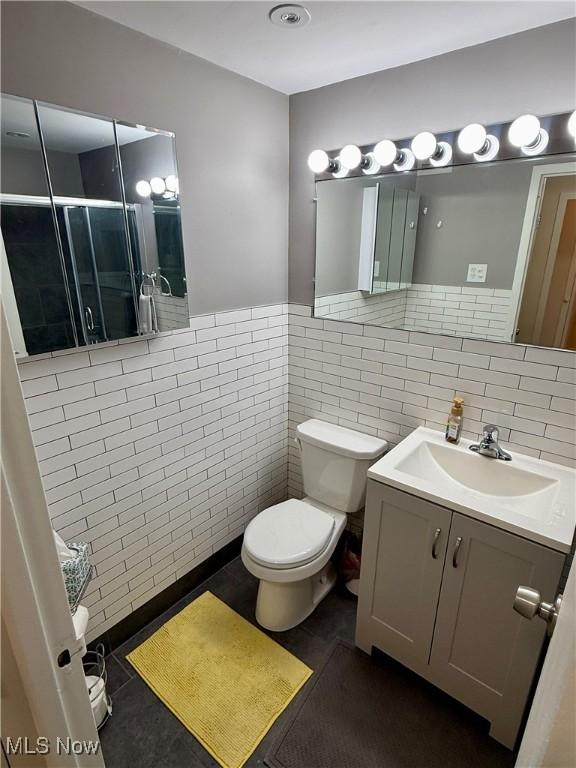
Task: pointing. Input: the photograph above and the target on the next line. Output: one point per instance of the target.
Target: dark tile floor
(143, 733)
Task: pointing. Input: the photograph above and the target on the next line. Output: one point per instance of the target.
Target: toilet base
(283, 605)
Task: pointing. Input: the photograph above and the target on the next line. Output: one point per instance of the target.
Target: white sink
(533, 498)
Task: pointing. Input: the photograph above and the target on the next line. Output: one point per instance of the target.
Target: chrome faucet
(488, 445)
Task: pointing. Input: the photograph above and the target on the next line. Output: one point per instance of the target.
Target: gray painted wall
(231, 137)
(23, 172)
(533, 71)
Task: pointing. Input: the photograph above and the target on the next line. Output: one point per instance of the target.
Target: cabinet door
(484, 653)
(405, 541)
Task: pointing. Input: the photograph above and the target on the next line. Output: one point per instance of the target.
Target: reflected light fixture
(371, 165)
(172, 183)
(143, 188)
(319, 162)
(572, 125)
(526, 134)
(474, 140)
(341, 170)
(158, 185)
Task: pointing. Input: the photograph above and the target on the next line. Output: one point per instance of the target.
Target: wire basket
(94, 666)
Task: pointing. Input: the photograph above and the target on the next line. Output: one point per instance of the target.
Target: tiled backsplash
(388, 382)
(159, 451)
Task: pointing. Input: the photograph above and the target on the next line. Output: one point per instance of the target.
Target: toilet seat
(288, 534)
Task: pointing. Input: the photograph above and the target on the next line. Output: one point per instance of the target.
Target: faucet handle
(491, 432)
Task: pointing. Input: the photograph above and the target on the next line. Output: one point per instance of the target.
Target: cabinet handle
(456, 549)
(435, 543)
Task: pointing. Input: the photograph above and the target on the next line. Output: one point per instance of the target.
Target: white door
(549, 740)
(35, 613)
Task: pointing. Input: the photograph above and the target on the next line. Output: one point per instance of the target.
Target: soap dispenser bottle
(454, 423)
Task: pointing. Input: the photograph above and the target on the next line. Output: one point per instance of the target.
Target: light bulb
(143, 188)
(539, 145)
(158, 185)
(572, 125)
(524, 131)
(318, 161)
(442, 156)
(371, 166)
(350, 156)
(406, 161)
(385, 152)
(472, 138)
(489, 150)
(172, 183)
(340, 171)
(424, 145)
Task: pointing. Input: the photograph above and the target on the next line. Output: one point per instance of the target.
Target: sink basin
(533, 498)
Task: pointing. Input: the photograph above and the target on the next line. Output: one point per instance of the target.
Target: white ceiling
(343, 40)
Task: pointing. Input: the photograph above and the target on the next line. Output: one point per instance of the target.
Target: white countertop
(532, 498)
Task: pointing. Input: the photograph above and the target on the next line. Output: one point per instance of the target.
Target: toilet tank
(335, 461)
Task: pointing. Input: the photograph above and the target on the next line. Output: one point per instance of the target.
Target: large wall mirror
(91, 233)
(484, 250)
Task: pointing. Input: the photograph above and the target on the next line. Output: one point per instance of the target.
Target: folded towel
(147, 314)
(64, 552)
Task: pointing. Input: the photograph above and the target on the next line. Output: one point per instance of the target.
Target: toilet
(288, 546)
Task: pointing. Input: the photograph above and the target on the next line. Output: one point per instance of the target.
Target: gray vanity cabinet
(449, 617)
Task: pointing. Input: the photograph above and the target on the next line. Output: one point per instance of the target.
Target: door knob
(528, 603)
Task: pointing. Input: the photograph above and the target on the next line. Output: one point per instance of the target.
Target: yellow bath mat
(226, 681)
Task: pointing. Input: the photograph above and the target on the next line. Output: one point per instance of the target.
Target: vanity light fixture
(572, 125)
(526, 134)
(143, 188)
(351, 157)
(474, 140)
(341, 170)
(319, 162)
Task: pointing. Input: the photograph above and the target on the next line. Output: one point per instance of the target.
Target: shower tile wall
(158, 452)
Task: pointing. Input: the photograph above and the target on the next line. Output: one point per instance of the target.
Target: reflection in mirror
(150, 176)
(86, 184)
(34, 288)
(482, 250)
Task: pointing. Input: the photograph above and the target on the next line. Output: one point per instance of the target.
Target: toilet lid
(288, 534)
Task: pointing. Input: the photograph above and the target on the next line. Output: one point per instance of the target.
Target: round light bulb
(489, 151)
(158, 185)
(143, 188)
(172, 183)
(385, 152)
(372, 165)
(340, 170)
(443, 156)
(524, 131)
(406, 161)
(572, 125)
(472, 138)
(424, 145)
(318, 161)
(350, 156)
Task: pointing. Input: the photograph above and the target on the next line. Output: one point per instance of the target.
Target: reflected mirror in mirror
(86, 184)
(34, 287)
(484, 251)
(150, 175)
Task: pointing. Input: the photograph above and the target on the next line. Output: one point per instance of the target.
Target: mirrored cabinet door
(34, 285)
(87, 188)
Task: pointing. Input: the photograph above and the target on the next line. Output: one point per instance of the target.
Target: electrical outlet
(477, 273)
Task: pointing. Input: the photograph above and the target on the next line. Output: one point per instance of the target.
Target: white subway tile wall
(387, 382)
(478, 312)
(158, 452)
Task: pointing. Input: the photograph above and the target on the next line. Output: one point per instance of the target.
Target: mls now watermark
(23, 745)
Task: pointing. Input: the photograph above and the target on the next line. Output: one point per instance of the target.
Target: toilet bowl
(289, 545)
